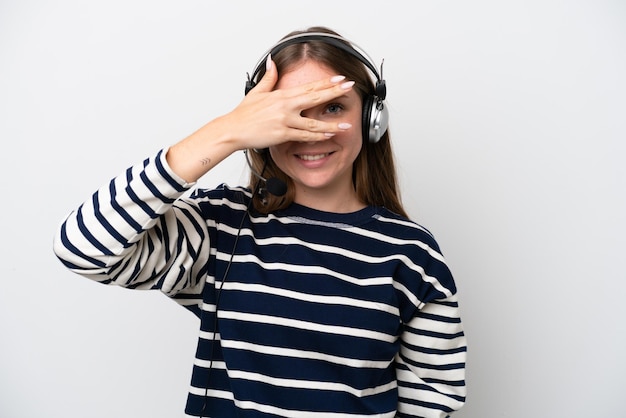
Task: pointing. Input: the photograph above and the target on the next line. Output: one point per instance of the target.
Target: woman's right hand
(266, 116)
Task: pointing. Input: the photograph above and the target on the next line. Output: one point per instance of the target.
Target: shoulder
(424, 272)
(415, 244)
(403, 228)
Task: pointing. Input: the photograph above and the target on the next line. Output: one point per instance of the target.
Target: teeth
(312, 157)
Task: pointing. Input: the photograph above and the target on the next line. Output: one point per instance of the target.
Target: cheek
(278, 154)
(357, 124)
(351, 147)
(352, 139)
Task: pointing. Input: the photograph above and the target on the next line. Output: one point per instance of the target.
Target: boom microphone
(275, 186)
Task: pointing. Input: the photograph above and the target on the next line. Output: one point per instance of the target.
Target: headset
(375, 115)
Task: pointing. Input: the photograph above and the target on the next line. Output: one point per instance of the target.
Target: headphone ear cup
(375, 119)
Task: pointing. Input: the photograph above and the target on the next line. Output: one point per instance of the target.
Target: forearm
(198, 153)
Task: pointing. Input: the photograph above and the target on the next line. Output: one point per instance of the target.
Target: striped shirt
(318, 314)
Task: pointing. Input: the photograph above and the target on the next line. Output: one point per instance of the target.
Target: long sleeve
(430, 365)
(136, 233)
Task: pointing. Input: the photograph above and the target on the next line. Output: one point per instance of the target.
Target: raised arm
(133, 232)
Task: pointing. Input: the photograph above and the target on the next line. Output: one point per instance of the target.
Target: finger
(299, 135)
(322, 92)
(269, 79)
(307, 129)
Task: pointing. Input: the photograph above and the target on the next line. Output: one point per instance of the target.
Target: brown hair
(374, 173)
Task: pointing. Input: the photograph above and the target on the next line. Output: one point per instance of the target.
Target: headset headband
(338, 42)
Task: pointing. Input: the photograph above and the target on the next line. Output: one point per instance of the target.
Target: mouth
(313, 157)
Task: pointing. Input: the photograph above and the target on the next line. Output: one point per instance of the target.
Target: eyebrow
(343, 96)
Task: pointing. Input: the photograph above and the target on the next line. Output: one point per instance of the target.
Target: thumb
(270, 77)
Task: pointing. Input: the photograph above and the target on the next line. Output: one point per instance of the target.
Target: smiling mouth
(314, 157)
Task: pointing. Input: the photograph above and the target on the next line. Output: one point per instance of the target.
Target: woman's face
(322, 169)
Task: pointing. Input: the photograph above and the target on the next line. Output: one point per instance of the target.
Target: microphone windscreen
(276, 186)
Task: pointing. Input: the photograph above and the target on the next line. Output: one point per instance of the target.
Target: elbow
(74, 258)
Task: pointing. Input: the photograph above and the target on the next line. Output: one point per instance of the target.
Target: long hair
(374, 174)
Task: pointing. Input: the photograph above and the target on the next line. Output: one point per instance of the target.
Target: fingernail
(337, 78)
(329, 134)
(268, 62)
(344, 125)
(347, 85)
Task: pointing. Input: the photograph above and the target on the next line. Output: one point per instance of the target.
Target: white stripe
(442, 309)
(212, 393)
(290, 413)
(402, 222)
(208, 307)
(372, 281)
(326, 300)
(409, 295)
(442, 390)
(311, 384)
(420, 411)
(433, 342)
(302, 354)
(294, 323)
(224, 202)
(434, 359)
(441, 327)
(367, 233)
(205, 335)
(452, 375)
(208, 364)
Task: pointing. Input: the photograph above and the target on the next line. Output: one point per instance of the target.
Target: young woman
(320, 300)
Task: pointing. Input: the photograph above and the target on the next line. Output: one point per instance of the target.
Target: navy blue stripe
(440, 367)
(436, 351)
(163, 172)
(193, 221)
(85, 231)
(439, 318)
(451, 304)
(154, 190)
(121, 211)
(121, 268)
(144, 206)
(161, 231)
(436, 334)
(105, 224)
(426, 387)
(131, 284)
(74, 250)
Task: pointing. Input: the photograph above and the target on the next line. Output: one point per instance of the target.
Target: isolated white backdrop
(508, 124)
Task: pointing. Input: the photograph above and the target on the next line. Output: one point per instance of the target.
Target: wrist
(198, 153)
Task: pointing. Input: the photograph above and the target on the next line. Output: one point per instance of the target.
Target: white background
(508, 119)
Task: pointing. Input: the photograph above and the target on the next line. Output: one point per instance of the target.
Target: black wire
(219, 292)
